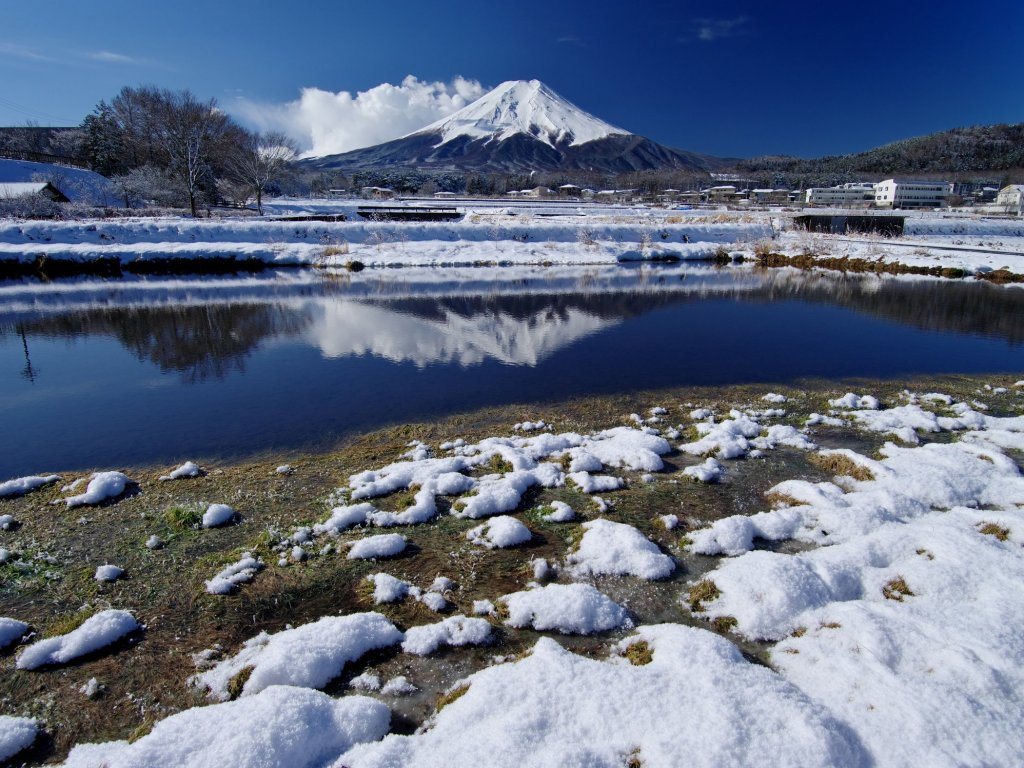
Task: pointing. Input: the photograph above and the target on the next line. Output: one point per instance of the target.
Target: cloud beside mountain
(326, 122)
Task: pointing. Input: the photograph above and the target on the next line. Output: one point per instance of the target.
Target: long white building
(912, 194)
(847, 194)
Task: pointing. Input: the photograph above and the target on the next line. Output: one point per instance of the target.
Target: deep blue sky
(725, 78)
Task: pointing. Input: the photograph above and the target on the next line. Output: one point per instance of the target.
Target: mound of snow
(589, 483)
(852, 402)
(905, 633)
(16, 734)
(387, 588)
(555, 708)
(453, 631)
(95, 633)
(616, 549)
(496, 494)
(344, 517)
(11, 631)
(726, 440)
(188, 469)
(309, 656)
(282, 726)
(241, 572)
(560, 513)
(22, 485)
(708, 472)
(567, 608)
(499, 532)
(217, 515)
(102, 486)
(108, 573)
(908, 483)
(385, 545)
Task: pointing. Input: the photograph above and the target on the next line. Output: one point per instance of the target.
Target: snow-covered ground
(501, 236)
(505, 233)
(971, 243)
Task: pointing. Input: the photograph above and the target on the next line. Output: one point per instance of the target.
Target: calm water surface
(110, 373)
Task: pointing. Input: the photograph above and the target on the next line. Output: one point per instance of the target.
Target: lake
(97, 373)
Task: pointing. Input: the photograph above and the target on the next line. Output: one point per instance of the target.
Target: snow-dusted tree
(258, 160)
(190, 133)
(147, 185)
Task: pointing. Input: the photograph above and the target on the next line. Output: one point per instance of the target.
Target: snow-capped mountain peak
(522, 106)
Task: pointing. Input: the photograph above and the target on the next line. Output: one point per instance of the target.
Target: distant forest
(994, 152)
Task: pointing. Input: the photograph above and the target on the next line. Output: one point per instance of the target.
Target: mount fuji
(520, 126)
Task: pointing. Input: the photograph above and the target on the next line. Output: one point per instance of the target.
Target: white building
(847, 194)
(912, 194)
(1011, 199)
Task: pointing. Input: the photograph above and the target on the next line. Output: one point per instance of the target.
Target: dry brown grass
(724, 624)
(776, 499)
(840, 464)
(897, 589)
(452, 694)
(991, 529)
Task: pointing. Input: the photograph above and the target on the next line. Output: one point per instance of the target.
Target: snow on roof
(22, 188)
(523, 106)
(78, 184)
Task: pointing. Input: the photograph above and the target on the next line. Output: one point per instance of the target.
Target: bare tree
(190, 132)
(260, 159)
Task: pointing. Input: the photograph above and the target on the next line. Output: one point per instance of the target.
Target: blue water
(110, 377)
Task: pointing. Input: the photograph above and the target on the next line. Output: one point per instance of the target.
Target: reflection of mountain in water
(515, 330)
(202, 337)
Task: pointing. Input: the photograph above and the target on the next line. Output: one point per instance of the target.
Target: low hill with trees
(990, 151)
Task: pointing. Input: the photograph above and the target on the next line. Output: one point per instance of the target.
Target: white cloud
(22, 52)
(716, 29)
(326, 123)
(113, 58)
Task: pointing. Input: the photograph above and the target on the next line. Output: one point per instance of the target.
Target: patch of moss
(702, 592)
(639, 653)
(237, 683)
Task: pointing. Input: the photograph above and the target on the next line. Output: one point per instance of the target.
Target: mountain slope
(520, 126)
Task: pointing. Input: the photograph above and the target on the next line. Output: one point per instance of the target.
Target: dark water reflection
(108, 374)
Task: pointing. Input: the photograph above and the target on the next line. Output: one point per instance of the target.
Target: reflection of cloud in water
(348, 328)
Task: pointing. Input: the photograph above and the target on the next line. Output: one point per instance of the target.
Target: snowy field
(774, 577)
(511, 233)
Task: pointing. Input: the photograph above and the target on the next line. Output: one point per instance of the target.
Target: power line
(16, 107)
